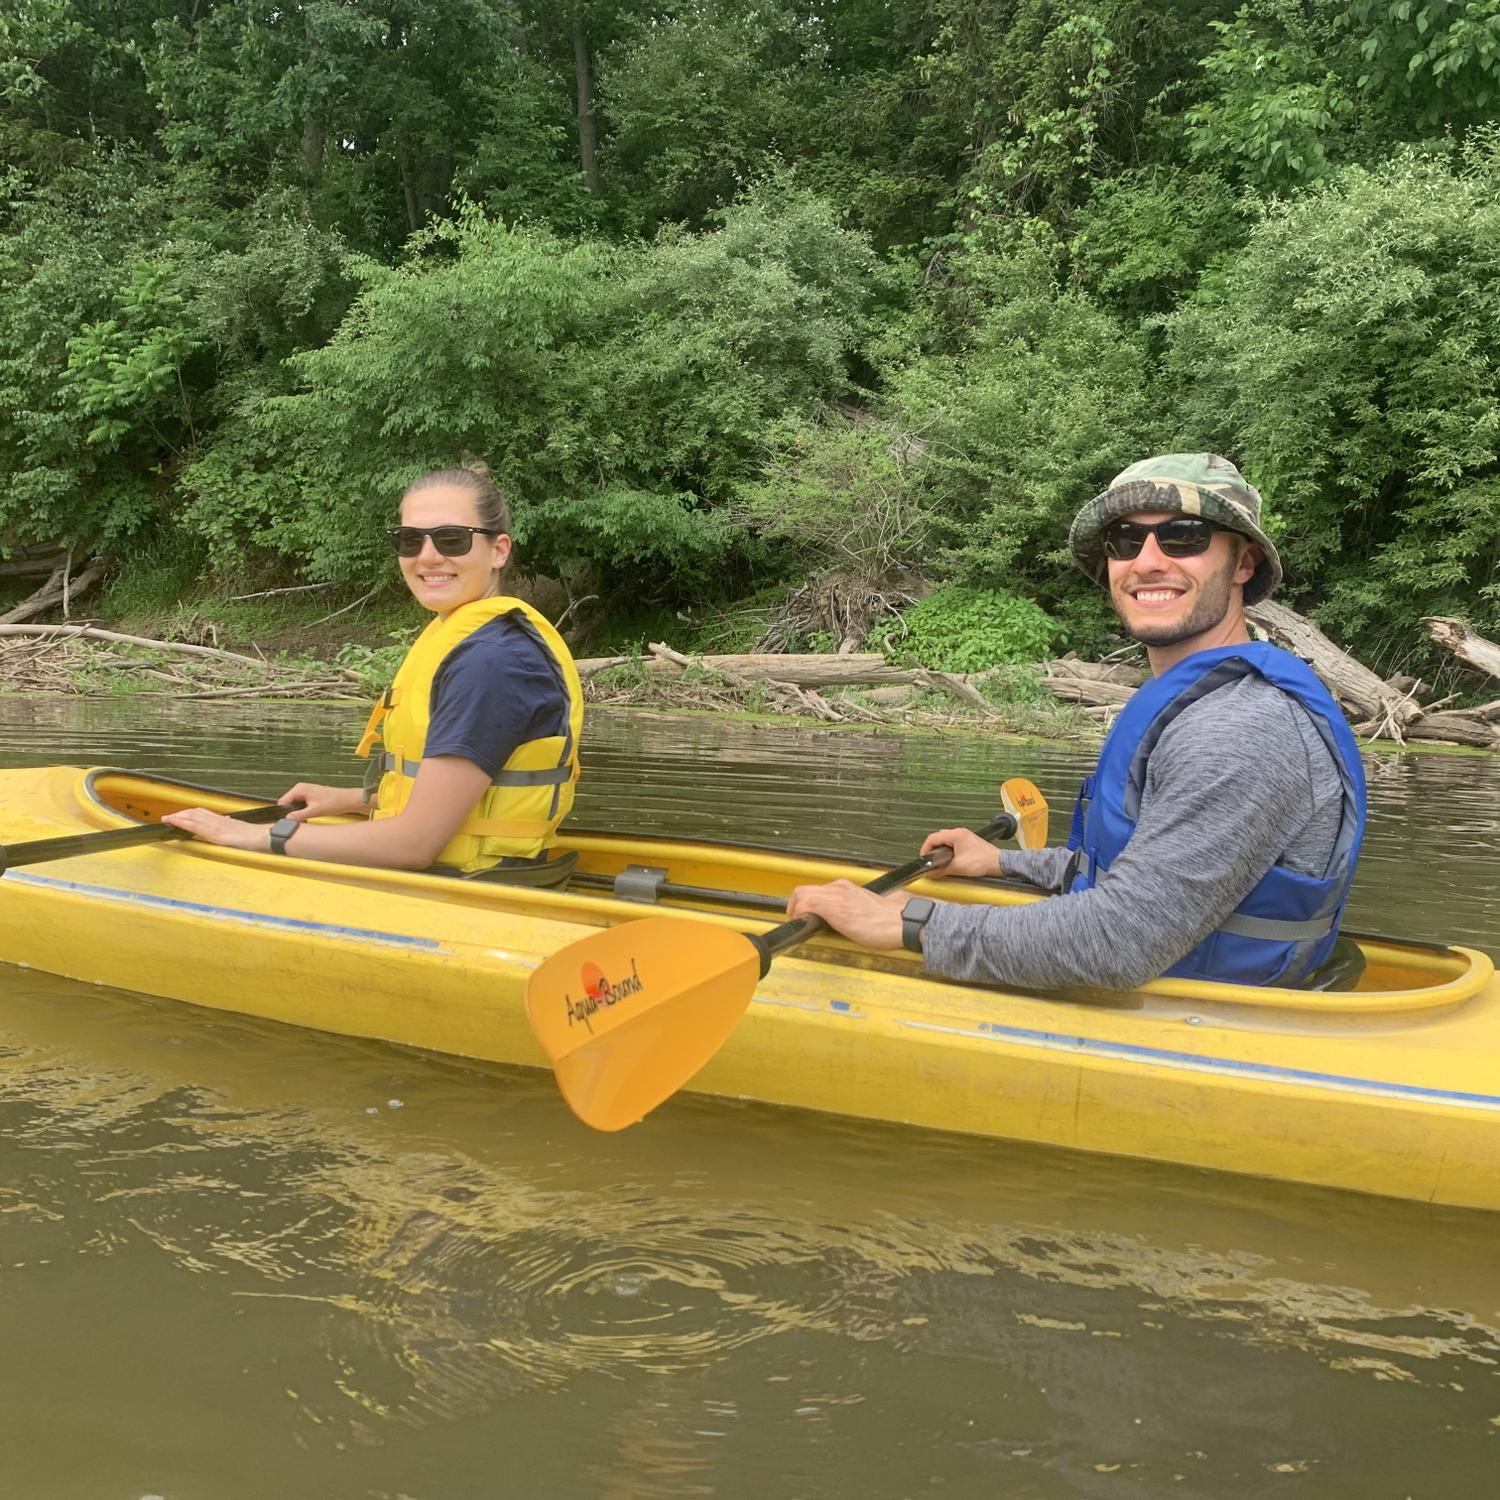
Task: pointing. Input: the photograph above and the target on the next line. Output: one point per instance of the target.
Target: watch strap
(281, 830)
(914, 917)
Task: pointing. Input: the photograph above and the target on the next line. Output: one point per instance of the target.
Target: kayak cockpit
(620, 877)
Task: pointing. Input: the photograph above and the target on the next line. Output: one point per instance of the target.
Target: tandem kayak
(1389, 1087)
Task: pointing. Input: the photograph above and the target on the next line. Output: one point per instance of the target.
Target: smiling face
(443, 584)
(1176, 606)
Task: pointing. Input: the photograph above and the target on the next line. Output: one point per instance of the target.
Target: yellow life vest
(531, 793)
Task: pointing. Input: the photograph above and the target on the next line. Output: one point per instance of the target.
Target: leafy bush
(840, 492)
(1344, 357)
(1145, 237)
(99, 383)
(1044, 401)
(958, 628)
(619, 395)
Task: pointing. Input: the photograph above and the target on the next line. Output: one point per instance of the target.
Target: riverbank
(290, 657)
(91, 661)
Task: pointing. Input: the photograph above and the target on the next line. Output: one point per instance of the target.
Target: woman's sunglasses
(451, 541)
(1182, 536)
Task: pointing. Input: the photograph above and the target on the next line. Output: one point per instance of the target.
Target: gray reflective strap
(1270, 930)
(553, 776)
(550, 776)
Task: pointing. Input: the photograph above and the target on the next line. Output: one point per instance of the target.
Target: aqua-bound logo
(599, 992)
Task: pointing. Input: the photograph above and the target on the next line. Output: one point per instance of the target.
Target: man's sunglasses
(1182, 536)
(451, 541)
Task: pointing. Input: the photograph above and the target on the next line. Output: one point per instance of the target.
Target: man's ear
(1250, 560)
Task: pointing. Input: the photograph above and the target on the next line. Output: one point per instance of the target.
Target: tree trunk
(435, 184)
(588, 134)
(413, 215)
(1455, 636)
(1455, 729)
(1381, 709)
(312, 151)
(58, 589)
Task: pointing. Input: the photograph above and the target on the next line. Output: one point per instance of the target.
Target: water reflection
(886, 1305)
(333, 1268)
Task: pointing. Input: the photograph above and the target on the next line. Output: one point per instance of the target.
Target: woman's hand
(850, 909)
(320, 801)
(972, 855)
(214, 828)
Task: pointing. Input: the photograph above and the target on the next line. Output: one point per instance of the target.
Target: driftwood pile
(68, 658)
(789, 683)
(1377, 708)
(83, 659)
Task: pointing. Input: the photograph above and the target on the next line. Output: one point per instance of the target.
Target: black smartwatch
(281, 830)
(914, 917)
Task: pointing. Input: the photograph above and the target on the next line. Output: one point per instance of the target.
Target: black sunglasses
(1182, 536)
(451, 541)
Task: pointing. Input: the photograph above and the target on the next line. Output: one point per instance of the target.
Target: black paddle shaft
(789, 934)
(35, 851)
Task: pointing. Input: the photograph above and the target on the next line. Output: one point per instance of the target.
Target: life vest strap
(547, 776)
(1273, 930)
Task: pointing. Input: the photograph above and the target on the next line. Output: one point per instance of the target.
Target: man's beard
(1214, 595)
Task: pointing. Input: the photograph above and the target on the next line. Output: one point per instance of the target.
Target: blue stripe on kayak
(198, 908)
(1162, 1057)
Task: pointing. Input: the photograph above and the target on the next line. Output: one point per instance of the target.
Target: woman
(475, 743)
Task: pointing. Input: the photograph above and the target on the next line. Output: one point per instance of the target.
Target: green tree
(1043, 400)
(1344, 357)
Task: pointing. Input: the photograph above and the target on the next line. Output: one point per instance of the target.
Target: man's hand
(872, 920)
(320, 801)
(972, 855)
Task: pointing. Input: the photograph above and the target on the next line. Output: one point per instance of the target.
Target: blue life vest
(1287, 925)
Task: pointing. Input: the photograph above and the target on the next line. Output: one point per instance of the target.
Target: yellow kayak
(1390, 1087)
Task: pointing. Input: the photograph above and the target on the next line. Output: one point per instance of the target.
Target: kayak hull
(1392, 1089)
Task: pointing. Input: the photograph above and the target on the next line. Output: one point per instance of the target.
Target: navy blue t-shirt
(494, 691)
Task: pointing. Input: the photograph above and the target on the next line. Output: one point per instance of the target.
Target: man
(1218, 835)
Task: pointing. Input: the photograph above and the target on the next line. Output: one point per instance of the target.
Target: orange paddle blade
(629, 1014)
(1025, 803)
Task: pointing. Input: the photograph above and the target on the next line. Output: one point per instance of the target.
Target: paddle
(35, 851)
(626, 1016)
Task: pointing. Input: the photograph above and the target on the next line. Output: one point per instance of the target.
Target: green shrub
(1042, 403)
(959, 628)
(840, 492)
(1345, 359)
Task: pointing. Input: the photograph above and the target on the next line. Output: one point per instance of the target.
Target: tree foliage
(1345, 354)
(732, 294)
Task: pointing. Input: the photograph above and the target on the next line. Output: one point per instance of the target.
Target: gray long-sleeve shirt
(1239, 781)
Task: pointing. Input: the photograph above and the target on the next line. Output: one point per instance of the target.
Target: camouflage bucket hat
(1190, 484)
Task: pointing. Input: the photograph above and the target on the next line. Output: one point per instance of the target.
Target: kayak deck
(1392, 1087)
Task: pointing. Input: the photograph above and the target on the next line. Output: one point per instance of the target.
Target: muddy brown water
(240, 1260)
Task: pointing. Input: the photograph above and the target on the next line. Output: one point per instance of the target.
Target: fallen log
(1096, 671)
(1453, 635)
(1381, 710)
(866, 668)
(29, 567)
(1087, 690)
(1455, 729)
(785, 694)
(59, 588)
(183, 648)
